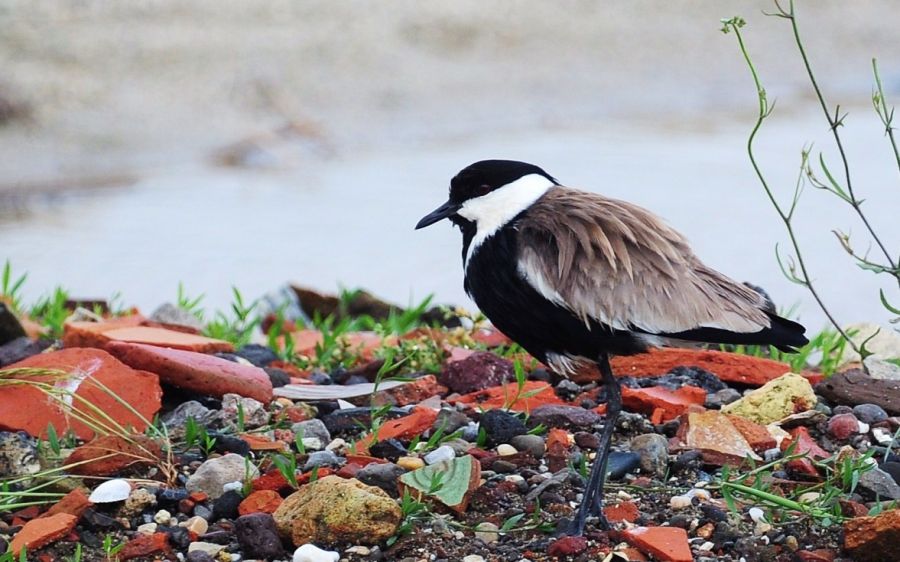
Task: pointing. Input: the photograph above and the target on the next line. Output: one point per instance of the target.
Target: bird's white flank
(492, 211)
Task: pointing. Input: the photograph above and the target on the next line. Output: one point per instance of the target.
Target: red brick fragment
(557, 445)
(804, 444)
(622, 511)
(406, 427)
(672, 403)
(111, 454)
(530, 396)
(261, 501)
(42, 531)
(870, 539)
(413, 392)
(666, 544)
(145, 545)
(261, 443)
(730, 367)
(74, 503)
(757, 435)
(715, 436)
(819, 555)
(271, 480)
(197, 372)
(90, 334)
(29, 409)
(567, 546)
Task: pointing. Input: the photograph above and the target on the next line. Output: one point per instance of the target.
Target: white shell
(111, 491)
(312, 553)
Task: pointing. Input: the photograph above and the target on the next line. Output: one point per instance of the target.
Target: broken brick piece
(110, 454)
(729, 367)
(74, 503)
(95, 377)
(100, 334)
(531, 395)
(672, 403)
(145, 545)
(406, 427)
(804, 444)
(260, 501)
(205, 374)
(622, 511)
(757, 435)
(40, 532)
(869, 539)
(715, 436)
(666, 544)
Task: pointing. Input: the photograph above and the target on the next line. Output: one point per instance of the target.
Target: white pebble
(312, 443)
(312, 553)
(680, 502)
(147, 528)
(809, 497)
(236, 486)
(210, 548)
(473, 558)
(359, 549)
(756, 514)
(514, 478)
(506, 450)
(707, 546)
(337, 444)
(441, 454)
(162, 517)
(111, 491)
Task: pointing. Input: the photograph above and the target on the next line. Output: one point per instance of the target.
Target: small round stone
(162, 517)
(531, 444)
(487, 532)
(441, 454)
(410, 463)
(869, 413)
(505, 450)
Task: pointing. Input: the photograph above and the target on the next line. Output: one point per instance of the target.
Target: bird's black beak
(438, 214)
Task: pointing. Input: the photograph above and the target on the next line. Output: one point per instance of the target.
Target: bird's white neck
(492, 211)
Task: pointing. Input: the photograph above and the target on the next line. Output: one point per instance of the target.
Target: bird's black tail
(784, 334)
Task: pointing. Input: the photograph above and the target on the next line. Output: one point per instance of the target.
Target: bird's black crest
(485, 176)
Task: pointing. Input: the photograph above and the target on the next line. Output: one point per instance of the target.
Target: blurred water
(350, 221)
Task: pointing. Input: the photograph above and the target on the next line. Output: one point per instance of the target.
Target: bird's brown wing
(620, 265)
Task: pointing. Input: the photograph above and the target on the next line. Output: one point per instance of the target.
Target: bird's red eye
(483, 189)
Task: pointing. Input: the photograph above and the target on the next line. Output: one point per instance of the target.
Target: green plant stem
(764, 111)
(834, 123)
(886, 114)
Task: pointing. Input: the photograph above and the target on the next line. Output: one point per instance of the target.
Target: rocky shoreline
(308, 427)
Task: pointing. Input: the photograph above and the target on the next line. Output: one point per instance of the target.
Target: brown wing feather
(621, 265)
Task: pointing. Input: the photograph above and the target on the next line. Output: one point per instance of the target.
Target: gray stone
(322, 459)
(653, 449)
(254, 411)
(722, 397)
(571, 417)
(19, 349)
(18, 455)
(880, 484)
(449, 420)
(258, 536)
(459, 446)
(531, 444)
(501, 426)
(441, 454)
(383, 475)
(212, 476)
(168, 313)
(312, 428)
(190, 409)
(869, 413)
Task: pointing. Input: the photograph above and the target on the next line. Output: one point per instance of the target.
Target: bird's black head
(477, 180)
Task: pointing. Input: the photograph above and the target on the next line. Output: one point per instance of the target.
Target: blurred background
(254, 142)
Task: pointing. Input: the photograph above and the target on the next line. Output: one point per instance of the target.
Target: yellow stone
(410, 463)
(777, 399)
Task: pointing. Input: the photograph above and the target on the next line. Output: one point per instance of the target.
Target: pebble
(196, 525)
(314, 428)
(880, 484)
(621, 463)
(226, 507)
(322, 459)
(722, 397)
(312, 553)
(531, 444)
(473, 558)
(441, 454)
(359, 549)
(842, 426)
(203, 511)
(199, 556)
(139, 500)
(410, 463)
(869, 413)
(502, 426)
(258, 536)
(487, 532)
(209, 548)
(505, 450)
(214, 474)
(162, 517)
(383, 475)
(147, 528)
(653, 449)
(390, 449)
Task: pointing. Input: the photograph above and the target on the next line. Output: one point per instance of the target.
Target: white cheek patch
(492, 211)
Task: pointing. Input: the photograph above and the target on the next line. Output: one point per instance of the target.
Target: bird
(575, 277)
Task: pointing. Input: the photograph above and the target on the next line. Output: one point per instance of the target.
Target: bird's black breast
(517, 309)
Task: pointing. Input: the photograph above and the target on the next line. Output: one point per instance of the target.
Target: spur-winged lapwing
(574, 277)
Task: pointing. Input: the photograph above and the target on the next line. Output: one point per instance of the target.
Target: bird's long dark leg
(593, 491)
